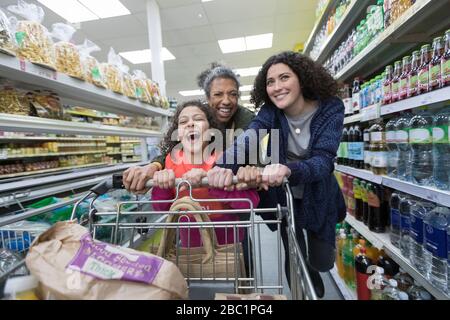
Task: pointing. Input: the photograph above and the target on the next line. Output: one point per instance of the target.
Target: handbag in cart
(210, 260)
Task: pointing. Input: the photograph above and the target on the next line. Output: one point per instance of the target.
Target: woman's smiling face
(283, 86)
(224, 98)
(192, 126)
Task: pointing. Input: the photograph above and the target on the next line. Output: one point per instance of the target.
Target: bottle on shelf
(349, 262)
(394, 234)
(367, 154)
(441, 149)
(350, 197)
(403, 146)
(355, 96)
(387, 86)
(404, 280)
(339, 252)
(445, 60)
(389, 266)
(424, 70)
(351, 147)
(378, 283)
(391, 144)
(395, 86)
(345, 160)
(413, 76)
(358, 199)
(418, 293)
(362, 264)
(377, 219)
(406, 69)
(358, 147)
(435, 65)
(345, 188)
(365, 200)
(405, 224)
(347, 99)
(391, 292)
(420, 139)
(360, 244)
(416, 248)
(435, 234)
(378, 148)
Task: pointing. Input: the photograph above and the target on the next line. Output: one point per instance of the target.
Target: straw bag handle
(208, 235)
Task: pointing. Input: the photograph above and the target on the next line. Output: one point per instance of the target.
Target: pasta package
(90, 65)
(112, 72)
(33, 39)
(7, 43)
(142, 92)
(12, 101)
(67, 56)
(46, 104)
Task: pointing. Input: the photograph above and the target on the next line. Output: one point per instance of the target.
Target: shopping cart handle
(204, 182)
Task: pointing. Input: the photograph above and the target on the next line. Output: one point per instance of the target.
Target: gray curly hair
(217, 71)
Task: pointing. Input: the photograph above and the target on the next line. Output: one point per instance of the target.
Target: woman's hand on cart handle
(135, 178)
(275, 175)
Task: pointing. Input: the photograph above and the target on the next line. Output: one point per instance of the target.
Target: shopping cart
(249, 266)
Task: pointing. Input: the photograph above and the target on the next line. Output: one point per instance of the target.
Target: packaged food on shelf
(7, 42)
(67, 56)
(33, 39)
(46, 104)
(112, 72)
(129, 88)
(153, 88)
(91, 67)
(142, 91)
(13, 101)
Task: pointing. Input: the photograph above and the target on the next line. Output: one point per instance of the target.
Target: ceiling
(191, 30)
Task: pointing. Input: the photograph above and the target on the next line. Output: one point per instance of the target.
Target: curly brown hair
(167, 144)
(315, 81)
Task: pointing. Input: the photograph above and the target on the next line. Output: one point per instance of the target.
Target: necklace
(298, 131)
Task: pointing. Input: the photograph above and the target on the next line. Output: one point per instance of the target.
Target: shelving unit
(19, 139)
(431, 194)
(347, 292)
(406, 33)
(381, 241)
(51, 155)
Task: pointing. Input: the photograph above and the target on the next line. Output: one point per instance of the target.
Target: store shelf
(40, 182)
(92, 114)
(362, 174)
(14, 123)
(74, 91)
(441, 96)
(407, 32)
(353, 12)
(320, 22)
(353, 119)
(131, 141)
(24, 174)
(437, 196)
(346, 292)
(51, 155)
(431, 194)
(13, 139)
(382, 241)
(114, 154)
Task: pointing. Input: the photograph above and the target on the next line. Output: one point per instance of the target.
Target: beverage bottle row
(421, 230)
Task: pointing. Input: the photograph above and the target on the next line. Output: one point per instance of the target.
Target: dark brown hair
(315, 81)
(168, 144)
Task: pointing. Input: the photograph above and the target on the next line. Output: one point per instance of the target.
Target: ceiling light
(247, 72)
(192, 93)
(106, 8)
(232, 45)
(145, 56)
(246, 98)
(71, 10)
(246, 88)
(262, 41)
(207, 0)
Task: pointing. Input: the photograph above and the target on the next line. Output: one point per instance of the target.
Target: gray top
(298, 142)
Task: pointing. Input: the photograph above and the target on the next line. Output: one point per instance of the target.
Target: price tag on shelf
(371, 113)
(37, 70)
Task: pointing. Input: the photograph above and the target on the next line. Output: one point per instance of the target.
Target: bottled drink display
(396, 198)
(362, 263)
(435, 241)
(387, 85)
(377, 209)
(424, 70)
(356, 103)
(416, 250)
(435, 65)
(345, 140)
(404, 280)
(365, 199)
(367, 154)
(349, 262)
(418, 293)
(391, 144)
(403, 146)
(351, 147)
(379, 283)
(395, 84)
(413, 76)
(445, 61)
(420, 138)
(390, 267)
(378, 148)
(406, 69)
(358, 199)
(358, 148)
(350, 196)
(441, 149)
(405, 224)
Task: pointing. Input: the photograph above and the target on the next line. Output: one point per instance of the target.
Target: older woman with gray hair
(221, 86)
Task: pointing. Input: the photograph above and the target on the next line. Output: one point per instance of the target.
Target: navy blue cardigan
(323, 204)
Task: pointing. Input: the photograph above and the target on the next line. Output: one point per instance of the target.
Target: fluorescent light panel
(76, 11)
(207, 0)
(192, 93)
(145, 56)
(248, 72)
(261, 41)
(246, 88)
(246, 98)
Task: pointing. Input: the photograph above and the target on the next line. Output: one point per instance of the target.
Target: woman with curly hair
(298, 97)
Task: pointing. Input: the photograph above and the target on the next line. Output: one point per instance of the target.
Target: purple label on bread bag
(107, 262)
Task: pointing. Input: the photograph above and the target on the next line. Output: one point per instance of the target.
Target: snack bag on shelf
(165, 104)
(129, 89)
(67, 56)
(46, 104)
(112, 72)
(13, 101)
(154, 91)
(91, 67)
(33, 39)
(142, 92)
(7, 42)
